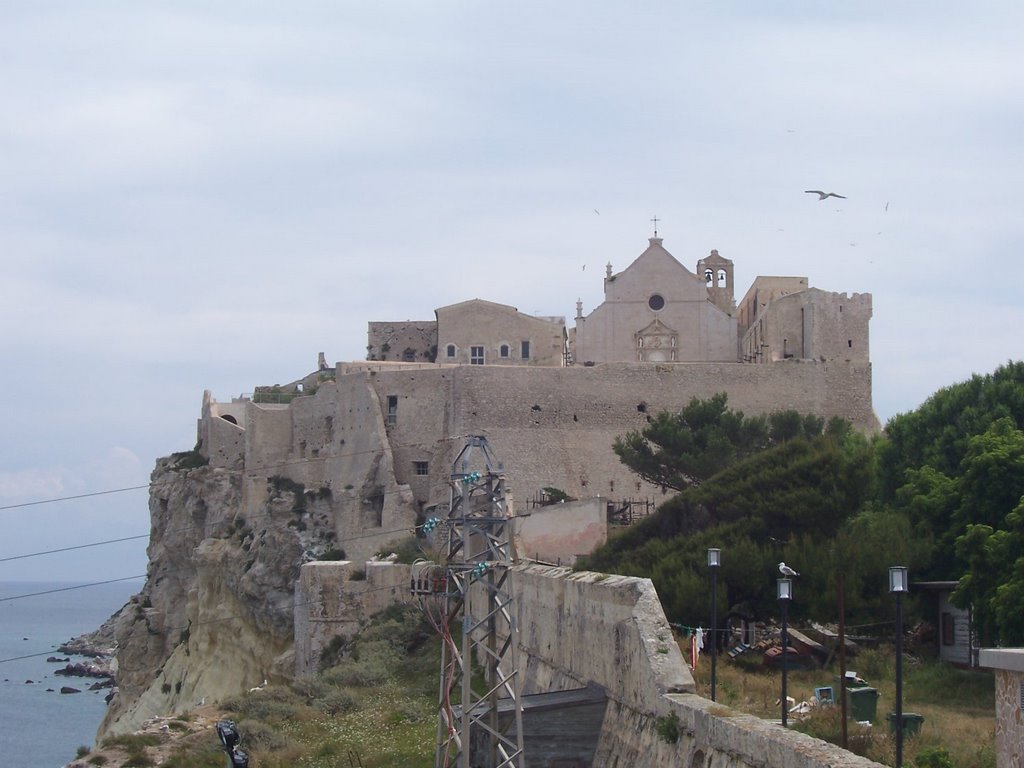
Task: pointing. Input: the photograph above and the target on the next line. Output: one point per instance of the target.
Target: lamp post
(785, 594)
(898, 585)
(714, 560)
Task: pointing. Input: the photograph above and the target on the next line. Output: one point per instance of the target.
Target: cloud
(29, 485)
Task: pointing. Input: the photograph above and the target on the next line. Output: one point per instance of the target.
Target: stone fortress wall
(381, 437)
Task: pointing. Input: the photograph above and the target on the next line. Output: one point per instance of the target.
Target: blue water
(39, 728)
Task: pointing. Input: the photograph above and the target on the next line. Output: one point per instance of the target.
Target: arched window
(503, 350)
(449, 351)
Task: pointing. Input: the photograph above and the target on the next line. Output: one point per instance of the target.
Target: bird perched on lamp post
(785, 570)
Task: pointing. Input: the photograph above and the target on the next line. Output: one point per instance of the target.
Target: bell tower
(718, 276)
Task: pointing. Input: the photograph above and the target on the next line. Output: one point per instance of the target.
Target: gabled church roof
(654, 253)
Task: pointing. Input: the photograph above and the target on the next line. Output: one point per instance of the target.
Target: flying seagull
(822, 195)
(785, 570)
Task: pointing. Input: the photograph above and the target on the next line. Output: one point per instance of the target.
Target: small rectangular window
(476, 355)
(421, 467)
(524, 351)
(392, 409)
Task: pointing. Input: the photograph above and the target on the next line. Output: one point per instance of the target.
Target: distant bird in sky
(597, 212)
(785, 570)
(822, 195)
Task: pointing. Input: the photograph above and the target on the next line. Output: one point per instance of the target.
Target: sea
(39, 726)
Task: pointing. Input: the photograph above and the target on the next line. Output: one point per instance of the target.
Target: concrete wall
(1009, 666)
(559, 533)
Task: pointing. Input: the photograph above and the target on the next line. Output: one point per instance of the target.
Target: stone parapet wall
(710, 735)
(580, 628)
(596, 628)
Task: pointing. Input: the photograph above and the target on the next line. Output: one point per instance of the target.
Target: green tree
(681, 450)
(993, 585)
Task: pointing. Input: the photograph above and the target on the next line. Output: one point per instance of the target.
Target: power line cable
(77, 496)
(68, 589)
(78, 546)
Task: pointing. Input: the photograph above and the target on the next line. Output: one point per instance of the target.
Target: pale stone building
(656, 310)
(481, 332)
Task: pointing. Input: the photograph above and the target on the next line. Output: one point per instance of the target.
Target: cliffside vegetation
(373, 704)
(940, 492)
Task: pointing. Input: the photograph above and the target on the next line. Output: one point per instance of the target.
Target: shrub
(933, 757)
(258, 735)
(364, 673)
(270, 704)
(199, 756)
(668, 728)
(138, 760)
(188, 460)
(132, 742)
(337, 702)
(333, 651)
(82, 751)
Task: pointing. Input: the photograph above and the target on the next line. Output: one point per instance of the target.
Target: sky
(206, 195)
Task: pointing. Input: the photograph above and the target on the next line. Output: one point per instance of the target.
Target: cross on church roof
(655, 220)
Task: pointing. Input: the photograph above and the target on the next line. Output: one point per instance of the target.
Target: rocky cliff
(215, 615)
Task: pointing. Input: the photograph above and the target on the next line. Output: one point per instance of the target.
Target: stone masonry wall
(380, 440)
(329, 603)
(577, 628)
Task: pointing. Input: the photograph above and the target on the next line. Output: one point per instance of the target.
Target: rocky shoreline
(102, 666)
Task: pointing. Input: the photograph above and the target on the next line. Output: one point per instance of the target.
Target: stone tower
(717, 272)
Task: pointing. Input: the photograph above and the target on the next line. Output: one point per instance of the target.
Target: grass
(958, 705)
(374, 707)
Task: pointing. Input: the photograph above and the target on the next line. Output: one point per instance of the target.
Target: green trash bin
(911, 723)
(862, 704)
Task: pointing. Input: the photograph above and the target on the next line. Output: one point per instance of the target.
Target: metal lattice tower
(479, 552)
